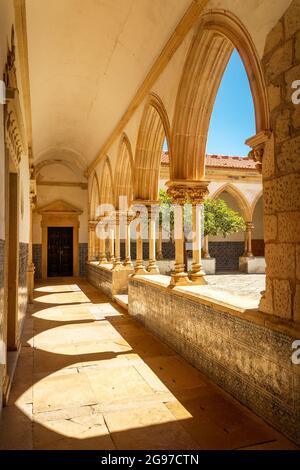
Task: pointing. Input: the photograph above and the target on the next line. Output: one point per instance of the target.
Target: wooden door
(60, 251)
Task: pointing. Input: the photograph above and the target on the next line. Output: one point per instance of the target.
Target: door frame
(59, 214)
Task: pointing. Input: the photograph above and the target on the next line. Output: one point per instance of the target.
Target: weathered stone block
(282, 194)
(297, 47)
(298, 262)
(274, 37)
(291, 76)
(281, 260)
(274, 94)
(282, 298)
(289, 157)
(280, 61)
(292, 19)
(270, 226)
(297, 304)
(282, 126)
(296, 117)
(266, 301)
(289, 227)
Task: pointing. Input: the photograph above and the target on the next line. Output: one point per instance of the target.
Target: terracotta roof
(223, 161)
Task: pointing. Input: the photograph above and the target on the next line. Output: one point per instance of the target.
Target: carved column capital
(258, 143)
(198, 193)
(178, 194)
(188, 191)
(257, 155)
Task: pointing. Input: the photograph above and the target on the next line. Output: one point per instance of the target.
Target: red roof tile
(221, 161)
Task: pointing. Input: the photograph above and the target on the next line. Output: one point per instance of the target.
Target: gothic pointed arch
(94, 197)
(123, 183)
(154, 128)
(106, 189)
(256, 201)
(238, 196)
(219, 32)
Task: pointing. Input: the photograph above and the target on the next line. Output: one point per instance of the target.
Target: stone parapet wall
(247, 359)
(108, 281)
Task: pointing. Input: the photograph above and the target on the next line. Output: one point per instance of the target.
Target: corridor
(90, 377)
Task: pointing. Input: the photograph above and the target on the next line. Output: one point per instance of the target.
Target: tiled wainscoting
(83, 256)
(236, 349)
(37, 260)
(227, 254)
(23, 263)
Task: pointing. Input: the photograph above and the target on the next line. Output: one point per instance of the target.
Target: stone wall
(37, 260)
(108, 281)
(281, 174)
(250, 361)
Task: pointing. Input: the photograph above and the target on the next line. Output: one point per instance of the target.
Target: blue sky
(232, 120)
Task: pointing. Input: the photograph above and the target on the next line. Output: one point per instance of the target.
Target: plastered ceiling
(87, 59)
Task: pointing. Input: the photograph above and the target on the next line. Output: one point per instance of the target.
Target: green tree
(219, 219)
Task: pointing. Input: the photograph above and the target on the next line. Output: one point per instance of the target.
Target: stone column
(91, 247)
(117, 263)
(152, 266)
(102, 240)
(197, 195)
(178, 194)
(159, 252)
(206, 254)
(248, 240)
(111, 244)
(30, 266)
(128, 263)
(139, 265)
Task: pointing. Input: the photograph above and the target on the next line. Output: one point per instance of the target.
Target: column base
(140, 269)
(152, 268)
(30, 282)
(198, 278)
(128, 264)
(179, 279)
(118, 266)
(103, 261)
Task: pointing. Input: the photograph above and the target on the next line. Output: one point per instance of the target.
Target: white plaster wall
(73, 195)
(24, 204)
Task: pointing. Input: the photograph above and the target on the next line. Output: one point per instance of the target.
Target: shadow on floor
(90, 377)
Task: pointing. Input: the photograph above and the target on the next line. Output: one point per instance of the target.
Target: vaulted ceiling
(86, 61)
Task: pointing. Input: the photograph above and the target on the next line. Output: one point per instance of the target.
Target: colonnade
(105, 235)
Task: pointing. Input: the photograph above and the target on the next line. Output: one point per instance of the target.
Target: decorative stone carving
(188, 192)
(256, 155)
(14, 127)
(258, 143)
